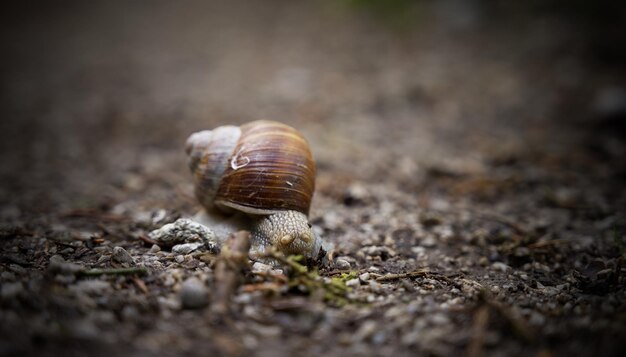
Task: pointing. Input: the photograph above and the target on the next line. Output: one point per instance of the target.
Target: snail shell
(262, 168)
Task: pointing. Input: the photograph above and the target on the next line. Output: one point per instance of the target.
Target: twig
(147, 239)
(106, 230)
(113, 271)
(504, 220)
(272, 287)
(232, 259)
(479, 328)
(546, 243)
(141, 285)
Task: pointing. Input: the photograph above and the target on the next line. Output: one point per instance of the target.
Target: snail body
(264, 170)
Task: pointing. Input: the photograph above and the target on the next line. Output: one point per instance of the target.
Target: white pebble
(500, 266)
(353, 283)
(342, 264)
(186, 248)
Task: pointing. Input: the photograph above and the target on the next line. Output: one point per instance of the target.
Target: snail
(260, 175)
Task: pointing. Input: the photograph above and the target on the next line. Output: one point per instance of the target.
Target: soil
(470, 177)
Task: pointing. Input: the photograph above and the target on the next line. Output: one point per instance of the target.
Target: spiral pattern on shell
(259, 168)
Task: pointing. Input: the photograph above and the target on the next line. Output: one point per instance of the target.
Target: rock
(120, 255)
(353, 283)
(179, 258)
(499, 266)
(364, 276)
(428, 242)
(155, 248)
(379, 251)
(259, 267)
(342, 264)
(60, 266)
(183, 231)
(357, 193)
(194, 294)
(375, 287)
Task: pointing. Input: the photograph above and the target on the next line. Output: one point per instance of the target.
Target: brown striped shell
(259, 168)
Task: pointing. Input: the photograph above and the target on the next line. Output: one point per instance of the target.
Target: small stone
(17, 269)
(342, 264)
(483, 261)
(500, 267)
(11, 290)
(356, 193)
(375, 287)
(439, 319)
(120, 255)
(259, 267)
(159, 216)
(353, 283)
(379, 251)
(187, 248)
(428, 242)
(60, 266)
(155, 248)
(183, 231)
(180, 258)
(364, 276)
(194, 294)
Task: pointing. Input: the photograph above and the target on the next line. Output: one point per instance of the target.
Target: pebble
(155, 248)
(483, 261)
(259, 267)
(499, 266)
(183, 231)
(17, 269)
(353, 283)
(120, 255)
(379, 251)
(194, 294)
(179, 259)
(364, 276)
(375, 287)
(187, 248)
(428, 242)
(342, 264)
(60, 266)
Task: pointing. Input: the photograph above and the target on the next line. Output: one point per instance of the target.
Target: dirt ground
(470, 160)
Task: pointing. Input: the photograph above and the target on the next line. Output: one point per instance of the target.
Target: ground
(470, 177)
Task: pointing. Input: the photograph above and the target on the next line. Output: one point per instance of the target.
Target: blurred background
(477, 139)
(98, 97)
